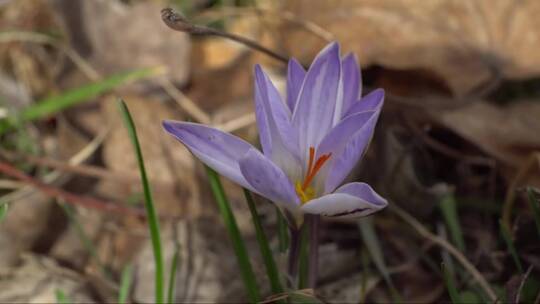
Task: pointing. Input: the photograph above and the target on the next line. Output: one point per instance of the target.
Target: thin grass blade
(153, 221)
(172, 275)
(3, 210)
(238, 243)
(450, 285)
(264, 246)
(55, 104)
(125, 284)
(61, 297)
(510, 245)
(371, 240)
(449, 211)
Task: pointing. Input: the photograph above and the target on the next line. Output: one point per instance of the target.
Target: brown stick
(179, 23)
(85, 170)
(84, 201)
(423, 231)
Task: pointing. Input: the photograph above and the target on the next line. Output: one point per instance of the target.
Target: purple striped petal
(350, 153)
(314, 111)
(372, 101)
(340, 135)
(350, 200)
(278, 138)
(265, 137)
(218, 150)
(268, 179)
(295, 78)
(352, 82)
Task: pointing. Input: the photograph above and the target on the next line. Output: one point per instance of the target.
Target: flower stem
(313, 266)
(303, 266)
(282, 231)
(294, 252)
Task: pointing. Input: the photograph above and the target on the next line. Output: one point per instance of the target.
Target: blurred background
(457, 146)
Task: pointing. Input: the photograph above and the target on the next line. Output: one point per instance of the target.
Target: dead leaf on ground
(44, 278)
(456, 39)
(124, 37)
(508, 133)
(33, 64)
(28, 223)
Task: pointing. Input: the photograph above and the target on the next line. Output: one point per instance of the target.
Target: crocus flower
(310, 143)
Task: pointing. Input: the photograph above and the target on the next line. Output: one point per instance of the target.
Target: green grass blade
(449, 210)
(372, 243)
(534, 202)
(172, 275)
(61, 297)
(153, 221)
(510, 245)
(264, 246)
(55, 104)
(125, 284)
(238, 244)
(283, 231)
(450, 285)
(3, 210)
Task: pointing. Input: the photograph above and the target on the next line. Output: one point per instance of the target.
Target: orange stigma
(313, 169)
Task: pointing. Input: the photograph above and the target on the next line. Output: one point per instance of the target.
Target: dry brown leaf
(32, 64)
(508, 133)
(37, 279)
(125, 37)
(456, 39)
(28, 223)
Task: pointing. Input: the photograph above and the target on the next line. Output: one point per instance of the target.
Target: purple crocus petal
(372, 101)
(295, 78)
(340, 135)
(350, 200)
(314, 111)
(265, 137)
(273, 119)
(344, 161)
(218, 150)
(268, 179)
(351, 81)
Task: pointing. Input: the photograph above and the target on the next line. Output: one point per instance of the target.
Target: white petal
(350, 200)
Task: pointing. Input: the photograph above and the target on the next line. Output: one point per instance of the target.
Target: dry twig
(409, 219)
(72, 198)
(76, 159)
(289, 16)
(177, 22)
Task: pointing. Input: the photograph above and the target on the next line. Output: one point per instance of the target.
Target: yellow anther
(305, 195)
